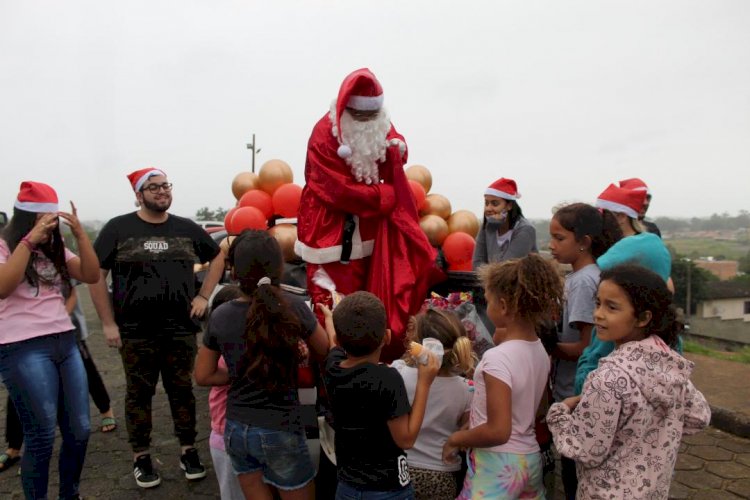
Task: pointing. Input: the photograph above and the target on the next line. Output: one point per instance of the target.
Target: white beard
(367, 140)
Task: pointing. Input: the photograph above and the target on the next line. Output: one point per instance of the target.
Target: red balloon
(248, 218)
(458, 249)
(419, 193)
(286, 200)
(228, 221)
(258, 199)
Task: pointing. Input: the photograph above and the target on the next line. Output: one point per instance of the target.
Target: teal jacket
(645, 249)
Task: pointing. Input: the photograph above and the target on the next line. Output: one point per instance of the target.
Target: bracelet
(26, 241)
(203, 297)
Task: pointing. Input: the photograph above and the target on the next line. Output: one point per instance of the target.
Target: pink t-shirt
(217, 408)
(524, 367)
(33, 312)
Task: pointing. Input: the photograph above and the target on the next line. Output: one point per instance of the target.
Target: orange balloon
(286, 235)
(419, 195)
(258, 199)
(244, 182)
(228, 220)
(420, 174)
(273, 174)
(435, 228)
(248, 218)
(464, 221)
(286, 200)
(458, 249)
(436, 204)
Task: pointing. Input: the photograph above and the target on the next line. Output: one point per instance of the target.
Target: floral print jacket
(625, 431)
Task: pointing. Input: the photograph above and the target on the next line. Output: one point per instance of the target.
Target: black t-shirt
(248, 401)
(152, 272)
(364, 398)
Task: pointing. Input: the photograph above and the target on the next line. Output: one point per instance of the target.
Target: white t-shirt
(524, 367)
(449, 399)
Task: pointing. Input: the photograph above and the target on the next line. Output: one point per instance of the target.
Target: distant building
(725, 313)
(722, 269)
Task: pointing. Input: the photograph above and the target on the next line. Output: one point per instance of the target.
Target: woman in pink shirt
(39, 359)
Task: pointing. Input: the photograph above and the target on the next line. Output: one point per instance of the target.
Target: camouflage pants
(143, 360)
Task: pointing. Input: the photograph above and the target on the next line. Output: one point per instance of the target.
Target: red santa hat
(503, 188)
(360, 90)
(622, 200)
(139, 177)
(635, 184)
(36, 197)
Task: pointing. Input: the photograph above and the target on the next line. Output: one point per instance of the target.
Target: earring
(581, 249)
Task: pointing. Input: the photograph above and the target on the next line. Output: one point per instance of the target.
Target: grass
(740, 356)
(705, 247)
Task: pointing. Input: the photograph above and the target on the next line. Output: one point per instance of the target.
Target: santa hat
(622, 200)
(360, 90)
(635, 184)
(139, 177)
(36, 197)
(504, 188)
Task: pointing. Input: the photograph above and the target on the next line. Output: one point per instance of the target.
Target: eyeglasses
(154, 188)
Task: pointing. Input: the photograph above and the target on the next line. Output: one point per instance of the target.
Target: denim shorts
(282, 456)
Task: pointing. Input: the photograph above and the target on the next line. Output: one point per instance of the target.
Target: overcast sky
(564, 97)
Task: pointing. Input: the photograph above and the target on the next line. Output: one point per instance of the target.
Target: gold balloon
(464, 221)
(435, 228)
(244, 182)
(420, 174)
(286, 235)
(273, 174)
(436, 204)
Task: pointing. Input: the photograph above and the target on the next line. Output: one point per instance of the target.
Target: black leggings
(13, 428)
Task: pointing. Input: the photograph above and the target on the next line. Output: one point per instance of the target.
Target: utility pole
(251, 147)
(687, 292)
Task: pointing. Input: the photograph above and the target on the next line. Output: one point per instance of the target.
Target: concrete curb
(730, 421)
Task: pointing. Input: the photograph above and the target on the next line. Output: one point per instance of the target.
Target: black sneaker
(191, 464)
(145, 475)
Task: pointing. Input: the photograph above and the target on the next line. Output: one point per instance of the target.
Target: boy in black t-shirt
(371, 415)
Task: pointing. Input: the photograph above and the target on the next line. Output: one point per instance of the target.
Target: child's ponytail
(272, 331)
(446, 327)
(462, 357)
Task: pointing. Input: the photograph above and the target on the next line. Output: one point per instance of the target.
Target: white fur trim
(360, 249)
(616, 207)
(501, 194)
(35, 207)
(344, 151)
(140, 182)
(365, 103)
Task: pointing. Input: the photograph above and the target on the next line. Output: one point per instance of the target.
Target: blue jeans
(47, 382)
(282, 456)
(347, 492)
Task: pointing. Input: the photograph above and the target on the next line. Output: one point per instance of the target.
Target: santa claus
(358, 222)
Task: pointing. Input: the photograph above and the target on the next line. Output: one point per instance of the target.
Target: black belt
(346, 239)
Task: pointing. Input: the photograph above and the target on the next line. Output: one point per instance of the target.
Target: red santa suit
(365, 236)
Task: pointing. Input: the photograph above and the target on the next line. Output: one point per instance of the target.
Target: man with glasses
(153, 311)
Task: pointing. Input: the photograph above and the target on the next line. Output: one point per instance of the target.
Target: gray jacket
(522, 243)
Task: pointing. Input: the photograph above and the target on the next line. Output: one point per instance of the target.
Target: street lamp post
(251, 147)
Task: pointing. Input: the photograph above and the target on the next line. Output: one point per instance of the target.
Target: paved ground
(712, 464)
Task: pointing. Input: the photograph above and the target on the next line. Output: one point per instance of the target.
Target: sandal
(108, 422)
(6, 461)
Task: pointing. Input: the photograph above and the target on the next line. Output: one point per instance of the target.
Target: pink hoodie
(625, 431)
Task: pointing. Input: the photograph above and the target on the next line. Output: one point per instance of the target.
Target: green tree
(204, 213)
(699, 280)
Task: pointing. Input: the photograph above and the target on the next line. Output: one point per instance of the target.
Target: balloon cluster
(269, 194)
(455, 231)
